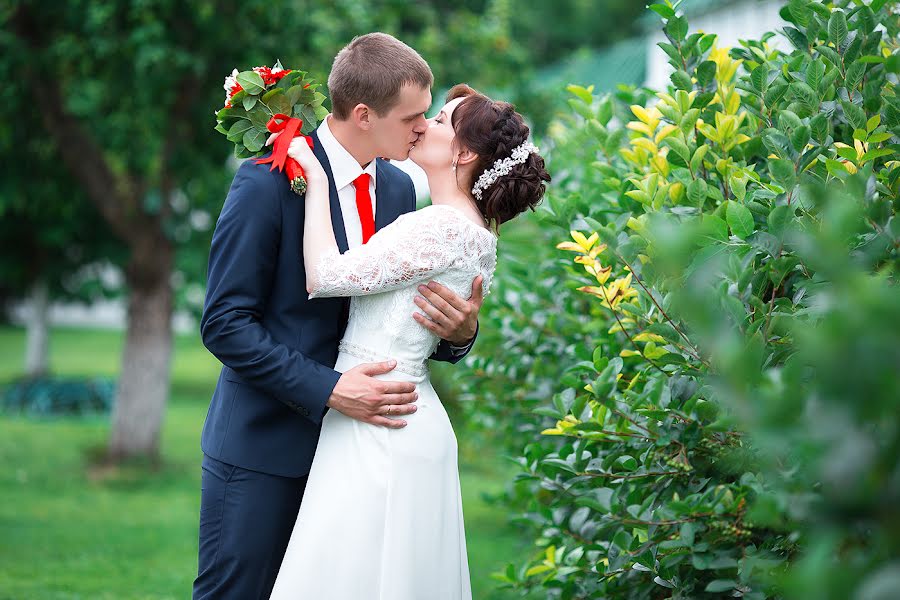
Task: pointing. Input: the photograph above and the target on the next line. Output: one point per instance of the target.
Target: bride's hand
(300, 151)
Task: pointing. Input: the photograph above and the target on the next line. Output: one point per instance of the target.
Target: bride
(382, 516)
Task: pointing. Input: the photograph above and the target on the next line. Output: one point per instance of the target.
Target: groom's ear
(361, 116)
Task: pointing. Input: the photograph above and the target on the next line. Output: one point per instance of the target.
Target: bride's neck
(445, 190)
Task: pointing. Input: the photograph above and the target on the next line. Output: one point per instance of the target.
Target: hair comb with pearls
(503, 166)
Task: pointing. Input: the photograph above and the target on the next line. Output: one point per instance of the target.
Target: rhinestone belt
(412, 368)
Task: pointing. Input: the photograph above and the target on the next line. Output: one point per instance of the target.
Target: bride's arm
(318, 232)
(408, 251)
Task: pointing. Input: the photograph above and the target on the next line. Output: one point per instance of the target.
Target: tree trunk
(144, 381)
(37, 337)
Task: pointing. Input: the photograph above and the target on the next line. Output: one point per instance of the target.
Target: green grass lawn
(72, 530)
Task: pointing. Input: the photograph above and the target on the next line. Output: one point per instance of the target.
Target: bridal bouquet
(264, 101)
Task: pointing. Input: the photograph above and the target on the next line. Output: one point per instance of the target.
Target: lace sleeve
(414, 248)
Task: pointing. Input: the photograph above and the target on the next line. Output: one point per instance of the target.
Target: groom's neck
(349, 136)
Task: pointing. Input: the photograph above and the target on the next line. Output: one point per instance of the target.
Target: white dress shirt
(345, 170)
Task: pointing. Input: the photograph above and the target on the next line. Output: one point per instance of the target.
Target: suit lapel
(337, 217)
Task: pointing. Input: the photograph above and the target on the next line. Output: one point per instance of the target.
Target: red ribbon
(289, 128)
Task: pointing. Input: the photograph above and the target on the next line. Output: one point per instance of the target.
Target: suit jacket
(277, 346)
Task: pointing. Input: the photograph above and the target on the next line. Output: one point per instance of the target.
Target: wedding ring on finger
(389, 409)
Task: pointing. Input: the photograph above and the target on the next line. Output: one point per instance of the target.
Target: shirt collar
(344, 167)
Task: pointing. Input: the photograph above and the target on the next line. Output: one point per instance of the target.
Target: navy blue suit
(278, 349)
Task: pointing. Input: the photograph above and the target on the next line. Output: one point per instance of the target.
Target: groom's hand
(451, 317)
(362, 397)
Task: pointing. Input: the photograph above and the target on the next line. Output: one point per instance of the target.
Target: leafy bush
(722, 355)
(46, 396)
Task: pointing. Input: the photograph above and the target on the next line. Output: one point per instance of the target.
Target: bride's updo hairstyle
(492, 130)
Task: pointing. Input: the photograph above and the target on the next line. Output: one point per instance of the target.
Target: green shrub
(49, 396)
(722, 355)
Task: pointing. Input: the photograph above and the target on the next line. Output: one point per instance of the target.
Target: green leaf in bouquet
(229, 115)
(238, 98)
(277, 101)
(293, 94)
(285, 82)
(260, 115)
(237, 131)
(308, 114)
(319, 99)
(252, 82)
(240, 151)
(321, 113)
(221, 128)
(255, 139)
(249, 102)
(307, 96)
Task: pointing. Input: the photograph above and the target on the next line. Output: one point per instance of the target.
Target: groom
(278, 347)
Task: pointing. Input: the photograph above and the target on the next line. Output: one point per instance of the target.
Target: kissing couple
(330, 465)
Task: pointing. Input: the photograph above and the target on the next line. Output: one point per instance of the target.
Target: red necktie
(364, 206)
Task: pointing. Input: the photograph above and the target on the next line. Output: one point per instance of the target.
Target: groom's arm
(451, 353)
(242, 265)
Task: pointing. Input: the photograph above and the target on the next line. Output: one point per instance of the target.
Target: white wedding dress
(381, 517)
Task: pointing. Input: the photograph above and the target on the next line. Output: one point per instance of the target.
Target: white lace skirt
(382, 516)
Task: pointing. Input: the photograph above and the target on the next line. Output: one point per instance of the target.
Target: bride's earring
(454, 165)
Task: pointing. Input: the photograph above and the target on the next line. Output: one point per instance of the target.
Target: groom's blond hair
(370, 70)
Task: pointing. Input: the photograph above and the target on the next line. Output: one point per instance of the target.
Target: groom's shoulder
(393, 175)
(397, 181)
(257, 179)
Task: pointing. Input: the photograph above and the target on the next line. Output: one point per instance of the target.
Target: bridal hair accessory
(503, 166)
(267, 100)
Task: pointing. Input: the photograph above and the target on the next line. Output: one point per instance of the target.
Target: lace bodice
(435, 243)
